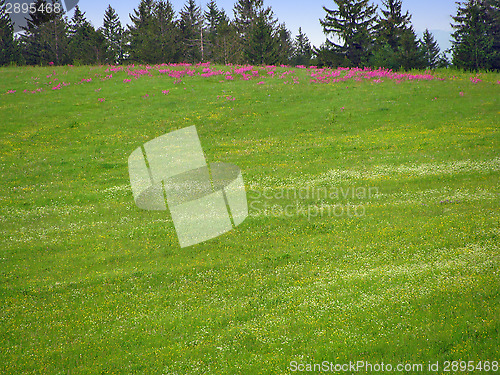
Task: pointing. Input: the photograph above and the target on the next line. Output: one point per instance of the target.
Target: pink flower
(260, 83)
(461, 93)
(165, 92)
(127, 80)
(58, 87)
(101, 100)
(11, 92)
(97, 90)
(230, 78)
(51, 63)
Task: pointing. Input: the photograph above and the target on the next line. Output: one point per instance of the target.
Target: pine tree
(165, 34)
(45, 37)
(397, 45)
(112, 31)
(138, 41)
(9, 50)
(191, 32)
(430, 49)
(285, 47)
(262, 47)
(493, 20)
(302, 49)
(227, 44)
(352, 23)
(86, 44)
(393, 25)
(410, 55)
(245, 15)
(213, 19)
(473, 44)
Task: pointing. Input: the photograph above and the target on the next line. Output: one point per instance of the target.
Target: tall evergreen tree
(285, 47)
(393, 24)
(262, 47)
(227, 43)
(165, 33)
(302, 49)
(245, 15)
(493, 20)
(397, 45)
(138, 42)
(430, 49)
(410, 55)
(112, 31)
(45, 39)
(86, 44)
(473, 44)
(352, 23)
(213, 19)
(191, 32)
(9, 50)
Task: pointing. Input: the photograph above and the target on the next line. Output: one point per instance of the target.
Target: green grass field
(90, 284)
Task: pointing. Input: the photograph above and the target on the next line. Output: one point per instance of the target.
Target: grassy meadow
(373, 231)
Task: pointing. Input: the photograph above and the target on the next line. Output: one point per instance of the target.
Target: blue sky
(431, 14)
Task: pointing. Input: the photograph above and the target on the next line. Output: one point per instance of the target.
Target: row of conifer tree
(358, 34)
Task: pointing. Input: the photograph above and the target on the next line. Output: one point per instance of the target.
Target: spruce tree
(493, 20)
(302, 49)
(391, 27)
(9, 51)
(245, 15)
(86, 44)
(213, 18)
(430, 49)
(112, 31)
(45, 37)
(191, 32)
(165, 34)
(410, 54)
(473, 44)
(138, 41)
(397, 45)
(226, 47)
(262, 47)
(285, 47)
(352, 23)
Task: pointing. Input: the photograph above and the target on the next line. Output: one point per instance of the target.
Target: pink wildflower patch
(165, 92)
(11, 92)
(101, 100)
(127, 80)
